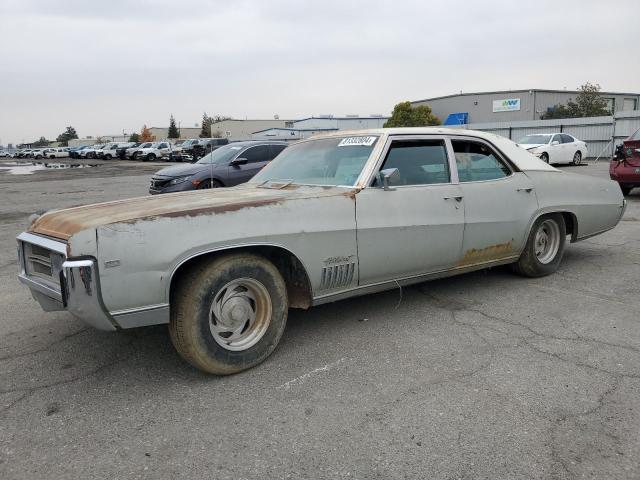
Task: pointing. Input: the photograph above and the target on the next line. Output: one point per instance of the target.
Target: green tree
(173, 129)
(406, 115)
(135, 137)
(205, 131)
(67, 135)
(588, 103)
(42, 142)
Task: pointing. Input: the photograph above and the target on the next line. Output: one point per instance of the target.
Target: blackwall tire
(545, 247)
(544, 157)
(577, 158)
(222, 296)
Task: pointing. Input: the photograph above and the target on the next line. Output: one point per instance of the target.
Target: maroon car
(625, 164)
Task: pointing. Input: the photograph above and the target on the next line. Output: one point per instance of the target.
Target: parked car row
(38, 153)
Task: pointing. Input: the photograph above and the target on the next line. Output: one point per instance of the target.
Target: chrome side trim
(56, 246)
(142, 316)
(388, 285)
(83, 296)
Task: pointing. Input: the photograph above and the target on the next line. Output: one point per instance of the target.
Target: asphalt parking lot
(485, 375)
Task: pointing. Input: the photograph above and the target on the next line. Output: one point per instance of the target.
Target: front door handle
(456, 198)
(528, 190)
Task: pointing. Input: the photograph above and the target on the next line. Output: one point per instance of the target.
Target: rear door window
(477, 162)
(567, 138)
(275, 150)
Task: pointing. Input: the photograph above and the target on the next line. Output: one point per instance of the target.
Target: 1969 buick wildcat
(332, 217)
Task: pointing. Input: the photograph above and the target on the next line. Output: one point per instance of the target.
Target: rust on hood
(63, 224)
(475, 256)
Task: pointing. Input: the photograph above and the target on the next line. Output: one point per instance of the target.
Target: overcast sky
(104, 66)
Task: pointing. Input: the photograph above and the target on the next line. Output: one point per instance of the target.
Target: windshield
(326, 161)
(534, 139)
(221, 155)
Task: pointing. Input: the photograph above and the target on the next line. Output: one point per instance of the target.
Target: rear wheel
(544, 249)
(228, 315)
(544, 157)
(151, 157)
(626, 190)
(108, 157)
(577, 158)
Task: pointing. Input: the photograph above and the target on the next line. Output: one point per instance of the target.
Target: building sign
(506, 105)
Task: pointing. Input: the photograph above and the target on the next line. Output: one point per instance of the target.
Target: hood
(531, 146)
(185, 169)
(63, 224)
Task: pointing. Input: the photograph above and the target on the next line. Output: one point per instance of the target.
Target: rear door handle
(528, 190)
(457, 198)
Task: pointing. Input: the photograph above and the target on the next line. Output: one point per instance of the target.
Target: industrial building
(314, 125)
(513, 105)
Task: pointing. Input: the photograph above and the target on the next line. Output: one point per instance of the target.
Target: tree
(67, 135)
(173, 129)
(135, 138)
(589, 103)
(42, 142)
(406, 115)
(145, 135)
(205, 131)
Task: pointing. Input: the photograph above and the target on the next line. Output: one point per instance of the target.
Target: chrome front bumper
(79, 291)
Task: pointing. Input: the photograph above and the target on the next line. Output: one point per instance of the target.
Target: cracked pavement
(484, 375)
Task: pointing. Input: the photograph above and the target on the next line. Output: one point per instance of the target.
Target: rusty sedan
(332, 217)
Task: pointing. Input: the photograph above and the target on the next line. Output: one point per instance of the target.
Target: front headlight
(178, 180)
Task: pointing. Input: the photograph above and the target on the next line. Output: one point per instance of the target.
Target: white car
(108, 151)
(39, 153)
(555, 147)
(133, 152)
(4, 154)
(57, 152)
(154, 151)
(91, 152)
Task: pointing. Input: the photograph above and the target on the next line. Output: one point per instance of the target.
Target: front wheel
(209, 184)
(544, 249)
(544, 157)
(108, 157)
(228, 314)
(577, 158)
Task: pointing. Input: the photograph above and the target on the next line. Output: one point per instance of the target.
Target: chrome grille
(42, 263)
(335, 276)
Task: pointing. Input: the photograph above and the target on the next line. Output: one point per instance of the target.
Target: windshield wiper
(282, 183)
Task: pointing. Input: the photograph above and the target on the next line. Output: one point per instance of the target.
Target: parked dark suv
(225, 166)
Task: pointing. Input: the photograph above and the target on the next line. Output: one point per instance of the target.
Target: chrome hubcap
(240, 314)
(547, 241)
(577, 158)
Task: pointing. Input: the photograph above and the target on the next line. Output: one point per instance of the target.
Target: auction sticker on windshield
(357, 141)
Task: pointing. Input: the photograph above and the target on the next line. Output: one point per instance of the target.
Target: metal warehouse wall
(597, 132)
(533, 103)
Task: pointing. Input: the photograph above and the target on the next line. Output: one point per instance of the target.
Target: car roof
(518, 155)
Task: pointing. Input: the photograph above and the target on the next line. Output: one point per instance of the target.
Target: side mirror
(555, 142)
(238, 161)
(387, 175)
